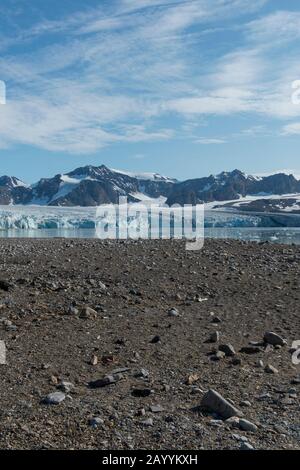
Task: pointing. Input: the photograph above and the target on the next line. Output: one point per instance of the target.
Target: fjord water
(279, 235)
(79, 222)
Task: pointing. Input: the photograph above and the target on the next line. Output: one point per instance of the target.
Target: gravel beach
(143, 345)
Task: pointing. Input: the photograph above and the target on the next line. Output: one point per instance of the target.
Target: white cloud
(291, 129)
(206, 141)
(275, 28)
(111, 74)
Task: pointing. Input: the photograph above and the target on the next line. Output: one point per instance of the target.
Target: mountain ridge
(94, 185)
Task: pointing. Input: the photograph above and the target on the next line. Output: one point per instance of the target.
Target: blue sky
(183, 87)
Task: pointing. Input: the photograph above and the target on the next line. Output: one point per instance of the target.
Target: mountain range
(92, 185)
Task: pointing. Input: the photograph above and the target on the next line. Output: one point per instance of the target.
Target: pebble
(274, 339)
(66, 387)
(95, 422)
(214, 337)
(228, 349)
(155, 339)
(215, 403)
(156, 408)
(88, 312)
(233, 421)
(218, 356)
(173, 312)
(216, 319)
(94, 360)
(107, 380)
(148, 422)
(245, 403)
(54, 398)
(142, 374)
(270, 369)
(246, 425)
(246, 446)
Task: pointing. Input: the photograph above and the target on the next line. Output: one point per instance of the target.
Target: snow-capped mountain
(85, 186)
(12, 190)
(92, 186)
(230, 186)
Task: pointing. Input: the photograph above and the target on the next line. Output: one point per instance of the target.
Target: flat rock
(227, 349)
(274, 339)
(107, 380)
(156, 408)
(246, 425)
(214, 402)
(54, 398)
(246, 446)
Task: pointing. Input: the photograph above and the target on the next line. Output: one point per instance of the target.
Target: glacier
(39, 217)
(51, 217)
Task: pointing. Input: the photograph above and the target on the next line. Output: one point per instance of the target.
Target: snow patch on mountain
(146, 176)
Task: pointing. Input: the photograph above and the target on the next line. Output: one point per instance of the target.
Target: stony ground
(75, 312)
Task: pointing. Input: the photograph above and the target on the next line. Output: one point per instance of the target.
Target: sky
(185, 88)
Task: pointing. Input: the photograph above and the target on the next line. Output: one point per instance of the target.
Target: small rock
(72, 310)
(216, 319)
(173, 312)
(233, 421)
(270, 369)
(143, 373)
(246, 446)
(228, 349)
(156, 408)
(107, 380)
(214, 337)
(295, 381)
(245, 403)
(4, 285)
(88, 312)
(95, 422)
(246, 425)
(94, 360)
(54, 398)
(218, 356)
(192, 379)
(274, 339)
(66, 387)
(216, 423)
(155, 339)
(215, 403)
(259, 364)
(148, 422)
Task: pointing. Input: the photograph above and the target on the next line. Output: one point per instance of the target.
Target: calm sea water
(274, 235)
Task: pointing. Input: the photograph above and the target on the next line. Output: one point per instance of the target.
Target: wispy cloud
(122, 71)
(206, 141)
(291, 129)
